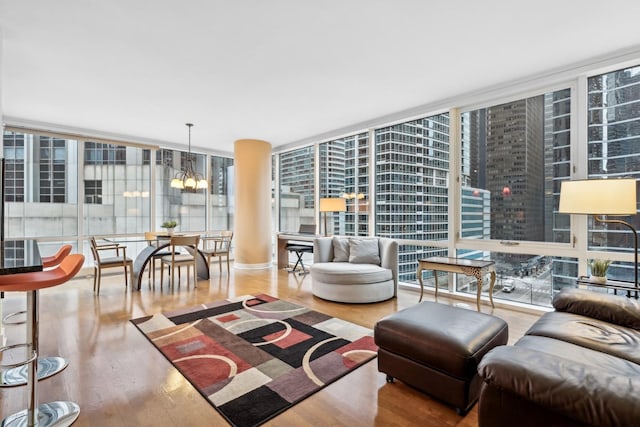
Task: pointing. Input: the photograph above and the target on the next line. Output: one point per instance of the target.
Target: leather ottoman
(436, 348)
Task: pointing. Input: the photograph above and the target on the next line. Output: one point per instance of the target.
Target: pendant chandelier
(188, 179)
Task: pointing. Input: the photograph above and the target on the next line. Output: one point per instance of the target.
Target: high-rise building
(412, 180)
(297, 188)
(515, 166)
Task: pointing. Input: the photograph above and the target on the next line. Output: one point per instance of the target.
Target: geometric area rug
(253, 357)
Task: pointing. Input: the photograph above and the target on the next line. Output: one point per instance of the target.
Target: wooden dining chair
(152, 239)
(218, 246)
(177, 259)
(120, 260)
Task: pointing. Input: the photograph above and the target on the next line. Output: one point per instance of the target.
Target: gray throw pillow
(340, 250)
(364, 251)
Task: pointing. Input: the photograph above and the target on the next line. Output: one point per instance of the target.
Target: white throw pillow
(340, 250)
(364, 251)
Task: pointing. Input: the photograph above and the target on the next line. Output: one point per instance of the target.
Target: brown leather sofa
(576, 366)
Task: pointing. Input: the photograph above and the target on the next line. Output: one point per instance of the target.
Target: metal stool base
(7, 319)
(58, 414)
(47, 367)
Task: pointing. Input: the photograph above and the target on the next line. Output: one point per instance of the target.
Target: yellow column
(252, 231)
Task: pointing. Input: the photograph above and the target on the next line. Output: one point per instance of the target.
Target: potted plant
(169, 226)
(599, 269)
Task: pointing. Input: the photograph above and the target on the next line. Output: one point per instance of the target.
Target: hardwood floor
(119, 379)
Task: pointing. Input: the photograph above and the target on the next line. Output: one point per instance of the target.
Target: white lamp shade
(190, 183)
(598, 197)
(333, 204)
(177, 183)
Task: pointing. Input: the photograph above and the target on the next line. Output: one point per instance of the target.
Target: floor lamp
(600, 197)
(331, 204)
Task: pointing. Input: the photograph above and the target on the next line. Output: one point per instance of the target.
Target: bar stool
(47, 262)
(58, 413)
(47, 366)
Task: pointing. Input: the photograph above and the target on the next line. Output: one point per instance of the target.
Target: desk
(145, 255)
(283, 239)
(458, 265)
(616, 285)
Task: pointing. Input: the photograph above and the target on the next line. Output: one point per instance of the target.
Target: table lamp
(331, 204)
(600, 197)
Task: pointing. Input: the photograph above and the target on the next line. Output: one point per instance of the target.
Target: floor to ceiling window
(344, 173)
(187, 208)
(41, 185)
(514, 156)
(297, 188)
(116, 189)
(221, 191)
(412, 181)
(613, 149)
(41, 188)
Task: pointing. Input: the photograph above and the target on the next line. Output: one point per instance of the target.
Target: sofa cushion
(340, 249)
(587, 332)
(345, 273)
(566, 350)
(595, 397)
(606, 307)
(364, 251)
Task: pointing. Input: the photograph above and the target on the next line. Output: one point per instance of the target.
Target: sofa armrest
(323, 249)
(606, 307)
(389, 257)
(577, 391)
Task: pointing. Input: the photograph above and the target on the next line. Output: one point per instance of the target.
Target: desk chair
(176, 259)
(46, 414)
(218, 246)
(300, 249)
(101, 262)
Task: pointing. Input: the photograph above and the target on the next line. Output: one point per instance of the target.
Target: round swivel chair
(59, 413)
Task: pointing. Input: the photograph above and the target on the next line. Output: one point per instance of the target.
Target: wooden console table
(468, 267)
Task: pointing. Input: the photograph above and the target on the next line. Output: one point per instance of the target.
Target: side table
(468, 267)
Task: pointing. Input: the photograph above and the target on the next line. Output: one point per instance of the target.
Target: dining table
(161, 242)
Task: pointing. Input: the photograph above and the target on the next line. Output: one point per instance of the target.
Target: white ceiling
(279, 70)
